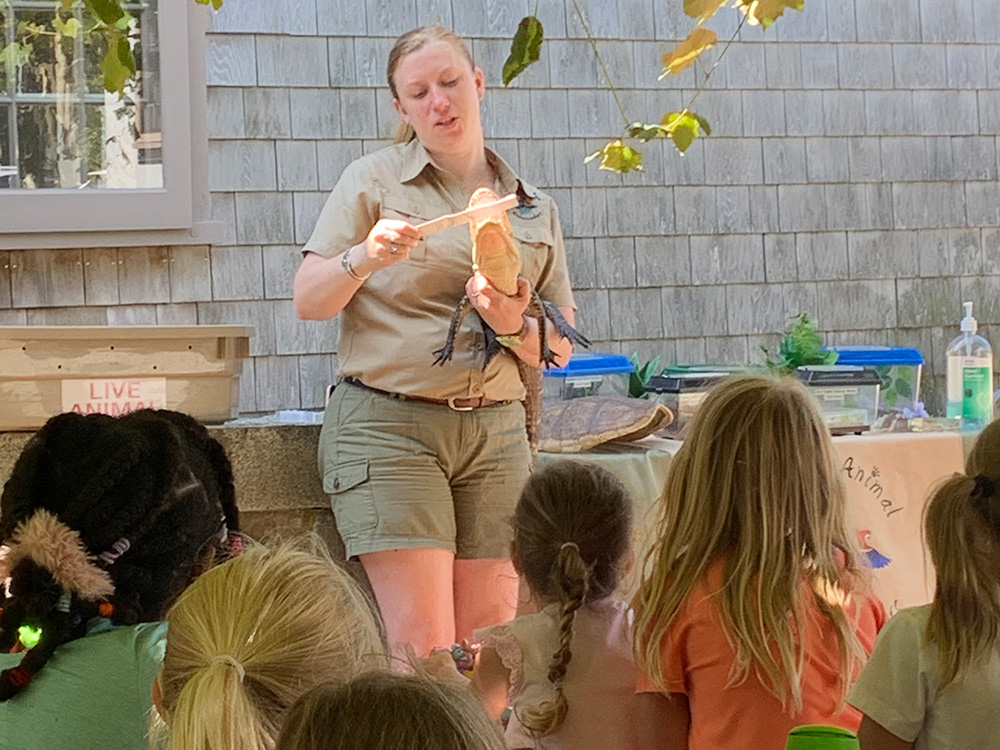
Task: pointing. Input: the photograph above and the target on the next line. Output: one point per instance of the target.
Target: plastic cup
(818, 737)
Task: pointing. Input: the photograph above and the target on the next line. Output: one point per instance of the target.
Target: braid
(148, 496)
(571, 578)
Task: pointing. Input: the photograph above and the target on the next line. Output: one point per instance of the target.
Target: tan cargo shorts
(409, 474)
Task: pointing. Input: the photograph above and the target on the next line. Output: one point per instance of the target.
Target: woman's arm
(491, 682)
(874, 736)
(661, 721)
(323, 287)
(505, 315)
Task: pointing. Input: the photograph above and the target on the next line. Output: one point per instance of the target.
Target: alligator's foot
(445, 353)
(562, 325)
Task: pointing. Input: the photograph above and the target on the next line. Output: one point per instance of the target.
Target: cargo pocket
(353, 502)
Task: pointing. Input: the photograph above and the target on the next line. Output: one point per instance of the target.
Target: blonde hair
(412, 41)
(984, 458)
(756, 488)
(572, 535)
(250, 636)
(962, 531)
(389, 711)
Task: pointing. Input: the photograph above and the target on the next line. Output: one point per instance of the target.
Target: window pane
(68, 132)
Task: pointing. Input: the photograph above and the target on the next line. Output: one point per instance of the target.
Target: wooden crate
(47, 370)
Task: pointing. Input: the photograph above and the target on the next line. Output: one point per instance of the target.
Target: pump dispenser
(970, 375)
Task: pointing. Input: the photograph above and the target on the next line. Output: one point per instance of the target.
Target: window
(75, 159)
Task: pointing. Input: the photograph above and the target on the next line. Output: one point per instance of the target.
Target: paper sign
(889, 481)
(114, 396)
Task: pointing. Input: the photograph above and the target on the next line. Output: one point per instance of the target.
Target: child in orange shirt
(750, 618)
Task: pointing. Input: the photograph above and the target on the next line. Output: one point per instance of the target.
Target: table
(889, 478)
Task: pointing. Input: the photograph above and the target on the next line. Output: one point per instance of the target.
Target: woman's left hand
(503, 314)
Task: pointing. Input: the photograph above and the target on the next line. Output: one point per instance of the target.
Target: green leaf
(67, 28)
(904, 388)
(524, 49)
(108, 11)
(215, 3)
(16, 54)
(645, 132)
(891, 397)
(617, 157)
(122, 23)
(906, 373)
(766, 12)
(703, 122)
(118, 64)
(682, 127)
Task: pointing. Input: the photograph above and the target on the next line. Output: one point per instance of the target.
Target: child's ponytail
(571, 578)
(214, 710)
(962, 531)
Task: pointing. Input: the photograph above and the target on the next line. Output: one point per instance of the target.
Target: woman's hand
(388, 242)
(503, 314)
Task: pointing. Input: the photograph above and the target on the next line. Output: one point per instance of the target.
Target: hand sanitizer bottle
(970, 376)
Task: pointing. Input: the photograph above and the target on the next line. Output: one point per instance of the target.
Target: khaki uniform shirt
(400, 315)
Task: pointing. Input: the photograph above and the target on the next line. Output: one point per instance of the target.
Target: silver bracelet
(345, 263)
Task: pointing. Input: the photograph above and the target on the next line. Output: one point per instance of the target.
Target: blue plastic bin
(898, 368)
(587, 374)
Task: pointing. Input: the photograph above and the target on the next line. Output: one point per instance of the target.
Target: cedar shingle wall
(852, 172)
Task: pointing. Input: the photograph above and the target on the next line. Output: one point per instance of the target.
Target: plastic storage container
(898, 369)
(848, 395)
(587, 374)
(682, 389)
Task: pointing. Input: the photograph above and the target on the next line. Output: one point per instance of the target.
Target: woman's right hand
(388, 242)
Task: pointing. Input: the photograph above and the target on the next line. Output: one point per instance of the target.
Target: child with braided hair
(567, 670)
(933, 680)
(103, 522)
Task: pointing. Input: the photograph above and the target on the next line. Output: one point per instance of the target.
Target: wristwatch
(511, 340)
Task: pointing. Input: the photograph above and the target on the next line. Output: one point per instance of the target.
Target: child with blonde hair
(933, 680)
(384, 710)
(567, 670)
(750, 618)
(252, 635)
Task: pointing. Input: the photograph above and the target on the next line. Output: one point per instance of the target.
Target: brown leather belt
(458, 404)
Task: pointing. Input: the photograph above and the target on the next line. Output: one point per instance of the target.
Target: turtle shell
(579, 424)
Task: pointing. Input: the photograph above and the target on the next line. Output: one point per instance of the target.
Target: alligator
(496, 256)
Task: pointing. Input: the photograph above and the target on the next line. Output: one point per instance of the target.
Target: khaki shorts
(408, 474)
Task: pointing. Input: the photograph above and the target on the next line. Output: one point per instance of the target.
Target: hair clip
(62, 604)
(106, 609)
(235, 543)
(574, 545)
(119, 548)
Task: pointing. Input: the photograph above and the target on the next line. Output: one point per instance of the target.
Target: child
(984, 457)
(748, 618)
(104, 521)
(934, 678)
(383, 710)
(252, 635)
(568, 668)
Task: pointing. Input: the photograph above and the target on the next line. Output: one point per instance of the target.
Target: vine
(624, 154)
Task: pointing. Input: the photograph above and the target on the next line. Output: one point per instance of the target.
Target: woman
(424, 464)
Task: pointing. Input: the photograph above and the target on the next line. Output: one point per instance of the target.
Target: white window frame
(177, 213)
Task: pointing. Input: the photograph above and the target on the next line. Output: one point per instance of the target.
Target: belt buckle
(453, 407)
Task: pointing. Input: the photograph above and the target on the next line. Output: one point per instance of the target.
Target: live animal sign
(113, 396)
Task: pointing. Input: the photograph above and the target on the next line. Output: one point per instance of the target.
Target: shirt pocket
(535, 241)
